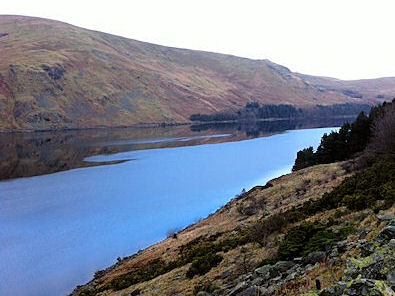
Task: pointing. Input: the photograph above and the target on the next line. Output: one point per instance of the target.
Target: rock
(314, 257)
(334, 253)
(391, 244)
(264, 271)
(177, 277)
(387, 217)
(251, 291)
(56, 72)
(387, 234)
(240, 287)
(227, 273)
(367, 249)
(257, 281)
(263, 291)
(298, 260)
(280, 267)
(271, 290)
(342, 246)
(202, 293)
(363, 234)
(277, 278)
(368, 287)
(391, 276)
(291, 276)
(350, 246)
(243, 278)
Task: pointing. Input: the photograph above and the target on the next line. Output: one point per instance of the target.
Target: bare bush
(173, 232)
(383, 140)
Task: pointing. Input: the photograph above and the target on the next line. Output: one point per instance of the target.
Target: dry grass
(114, 81)
(228, 219)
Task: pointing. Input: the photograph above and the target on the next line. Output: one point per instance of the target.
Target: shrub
(263, 228)
(309, 237)
(135, 292)
(205, 287)
(201, 265)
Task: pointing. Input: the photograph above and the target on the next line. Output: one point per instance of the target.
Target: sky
(347, 39)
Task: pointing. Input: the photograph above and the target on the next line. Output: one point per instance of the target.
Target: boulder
(239, 288)
(227, 273)
(251, 291)
(264, 272)
(281, 267)
(314, 257)
(387, 217)
(387, 234)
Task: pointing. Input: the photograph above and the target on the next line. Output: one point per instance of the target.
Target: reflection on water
(31, 154)
(58, 229)
(255, 129)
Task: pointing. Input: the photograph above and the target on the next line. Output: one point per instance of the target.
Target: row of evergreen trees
(253, 111)
(349, 140)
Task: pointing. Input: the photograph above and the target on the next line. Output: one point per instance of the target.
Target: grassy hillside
(268, 241)
(324, 230)
(55, 75)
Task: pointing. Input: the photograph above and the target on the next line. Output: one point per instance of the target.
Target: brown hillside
(55, 75)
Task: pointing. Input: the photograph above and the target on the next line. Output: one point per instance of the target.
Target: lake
(72, 202)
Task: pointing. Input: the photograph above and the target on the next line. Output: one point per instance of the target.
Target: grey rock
(251, 291)
(264, 271)
(342, 245)
(367, 249)
(257, 281)
(277, 278)
(280, 267)
(314, 257)
(298, 259)
(334, 253)
(227, 273)
(363, 234)
(263, 291)
(387, 217)
(387, 234)
(240, 287)
(202, 293)
(391, 276)
(391, 244)
(336, 290)
(271, 290)
(291, 276)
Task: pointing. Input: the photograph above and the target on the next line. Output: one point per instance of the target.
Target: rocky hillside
(290, 237)
(54, 75)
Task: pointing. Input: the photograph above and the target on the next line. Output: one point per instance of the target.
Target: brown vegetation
(54, 75)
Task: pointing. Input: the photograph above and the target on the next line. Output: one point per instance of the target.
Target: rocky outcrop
(372, 273)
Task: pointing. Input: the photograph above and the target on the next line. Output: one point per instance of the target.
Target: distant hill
(55, 75)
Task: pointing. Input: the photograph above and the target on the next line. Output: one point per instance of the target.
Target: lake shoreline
(163, 125)
(207, 227)
(100, 211)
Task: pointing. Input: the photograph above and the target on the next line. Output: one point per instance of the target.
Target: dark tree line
(376, 129)
(253, 111)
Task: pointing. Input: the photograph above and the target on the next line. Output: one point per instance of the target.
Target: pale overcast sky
(347, 39)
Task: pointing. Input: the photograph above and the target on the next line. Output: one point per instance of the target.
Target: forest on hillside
(254, 111)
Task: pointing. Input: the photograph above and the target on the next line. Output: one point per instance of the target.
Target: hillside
(55, 75)
(327, 229)
(247, 233)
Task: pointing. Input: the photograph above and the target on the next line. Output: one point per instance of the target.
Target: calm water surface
(75, 216)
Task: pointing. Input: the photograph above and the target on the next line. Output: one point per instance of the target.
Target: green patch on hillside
(309, 237)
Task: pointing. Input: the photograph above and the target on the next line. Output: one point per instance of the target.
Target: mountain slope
(55, 75)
